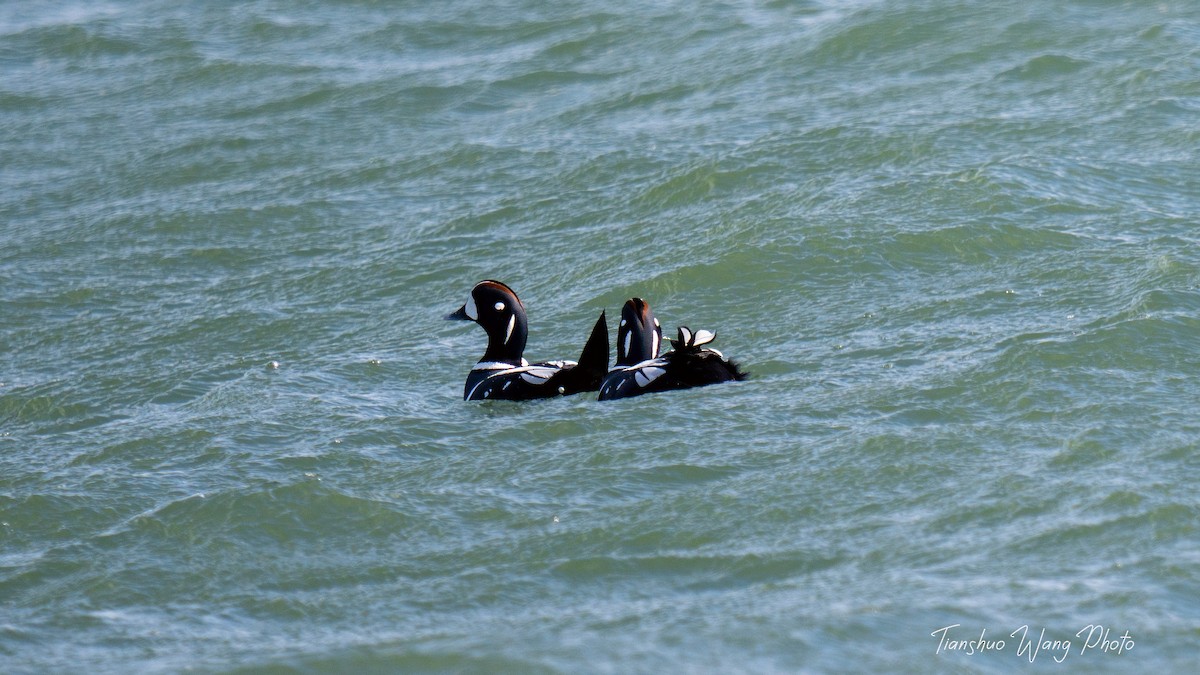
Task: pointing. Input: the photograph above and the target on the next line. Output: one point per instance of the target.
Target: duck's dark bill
(460, 315)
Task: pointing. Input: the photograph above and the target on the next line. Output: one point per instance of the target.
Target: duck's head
(638, 335)
(497, 308)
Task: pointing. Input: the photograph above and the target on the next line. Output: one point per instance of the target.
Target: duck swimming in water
(503, 373)
(639, 368)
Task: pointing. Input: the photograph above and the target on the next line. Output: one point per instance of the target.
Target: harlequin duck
(502, 373)
(639, 369)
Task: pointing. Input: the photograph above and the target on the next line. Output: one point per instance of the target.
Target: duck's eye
(499, 306)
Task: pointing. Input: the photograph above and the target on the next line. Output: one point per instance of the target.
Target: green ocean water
(954, 242)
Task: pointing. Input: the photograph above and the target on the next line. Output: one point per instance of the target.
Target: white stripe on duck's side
(658, 362)
(532, 374)
(643, 373)
(498, 365)
(538, 374)
(645, 376)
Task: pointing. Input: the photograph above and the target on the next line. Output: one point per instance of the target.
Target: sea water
(954, 242)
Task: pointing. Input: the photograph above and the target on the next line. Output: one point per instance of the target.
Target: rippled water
(953, 241)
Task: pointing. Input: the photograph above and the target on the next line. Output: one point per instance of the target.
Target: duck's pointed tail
(593, 361)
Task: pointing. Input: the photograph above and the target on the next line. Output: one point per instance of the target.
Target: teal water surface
(954, 242)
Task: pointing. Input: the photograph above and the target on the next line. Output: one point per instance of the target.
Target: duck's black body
(639, 369)
(502, 373)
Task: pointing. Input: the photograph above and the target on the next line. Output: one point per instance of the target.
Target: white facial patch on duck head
(512, 322)
(470, 309)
